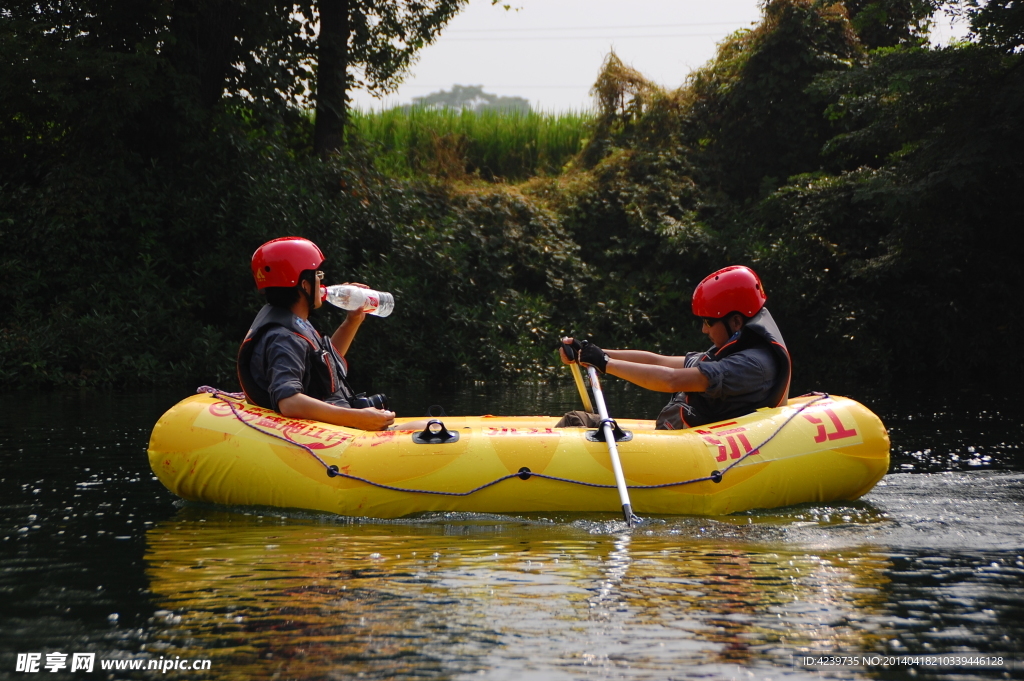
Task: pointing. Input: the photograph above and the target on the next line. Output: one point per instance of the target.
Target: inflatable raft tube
(217, 448)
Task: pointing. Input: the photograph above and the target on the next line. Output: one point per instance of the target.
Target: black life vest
(687, 410)
(326, 378)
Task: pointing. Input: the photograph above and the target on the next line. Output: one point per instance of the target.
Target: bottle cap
(323, 294)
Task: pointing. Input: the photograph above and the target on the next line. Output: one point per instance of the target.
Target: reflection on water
(270, 595)
(95, 556)
(297, 598)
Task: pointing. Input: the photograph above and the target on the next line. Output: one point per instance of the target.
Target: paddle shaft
(613, 448)
(584, 395)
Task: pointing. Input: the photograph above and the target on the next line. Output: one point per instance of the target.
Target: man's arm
(343, 336)
(651, 358)
(635, 356)
(301, 406)
(665, 379)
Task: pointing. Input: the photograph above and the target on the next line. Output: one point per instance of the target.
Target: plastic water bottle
(348, 297)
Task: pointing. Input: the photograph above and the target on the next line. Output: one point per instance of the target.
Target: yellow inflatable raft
(217, 448)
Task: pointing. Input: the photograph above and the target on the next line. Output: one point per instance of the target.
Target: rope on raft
(231, 399)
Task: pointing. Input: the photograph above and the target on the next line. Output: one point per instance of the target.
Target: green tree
(138, 79)
(168, 65)
(887, 23)
(368, 44)
(753, 122)
(997, 23)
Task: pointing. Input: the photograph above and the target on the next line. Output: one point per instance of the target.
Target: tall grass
(494, 145)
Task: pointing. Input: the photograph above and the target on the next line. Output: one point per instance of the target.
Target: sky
(550, 51)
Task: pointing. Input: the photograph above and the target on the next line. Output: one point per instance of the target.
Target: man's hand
(376, 419)
(594, 356)
(356, 315)
(346, 332)
(569, 350)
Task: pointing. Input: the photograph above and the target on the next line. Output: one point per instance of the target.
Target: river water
(923, 578)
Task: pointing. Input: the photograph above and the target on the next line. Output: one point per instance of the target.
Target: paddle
(613, 448)
(584, 395)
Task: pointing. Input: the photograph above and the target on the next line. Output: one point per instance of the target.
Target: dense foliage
(869, 178)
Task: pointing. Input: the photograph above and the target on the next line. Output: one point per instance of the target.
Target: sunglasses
(711, 321)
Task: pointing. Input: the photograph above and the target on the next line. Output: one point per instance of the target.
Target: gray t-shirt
(748, 373)
(279, 364)
(742, 378)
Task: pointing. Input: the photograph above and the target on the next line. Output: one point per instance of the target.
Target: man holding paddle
(747, 367)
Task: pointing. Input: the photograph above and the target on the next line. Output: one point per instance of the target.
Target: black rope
(332, 471)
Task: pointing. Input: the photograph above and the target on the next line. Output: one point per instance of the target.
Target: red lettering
(722, 453)
(840, 431)
(734, 450)
(382, 437)
(337, 435)
(747, 449)
(249, 413)
(520, 432)
(291, 428)
(220, 409)
(731, 443)
(270, 422)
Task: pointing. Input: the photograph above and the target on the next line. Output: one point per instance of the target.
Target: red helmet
(730, 289)
(281, 261)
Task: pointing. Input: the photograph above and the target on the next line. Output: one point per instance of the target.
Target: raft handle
(435, 433)
(619, 434)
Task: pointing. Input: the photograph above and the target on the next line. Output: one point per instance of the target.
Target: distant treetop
(471, 97)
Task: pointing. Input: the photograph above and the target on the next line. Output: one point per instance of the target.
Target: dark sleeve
(748, 372)
(284, 364)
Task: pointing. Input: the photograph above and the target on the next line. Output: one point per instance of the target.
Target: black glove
(572, 350)
(594, 356)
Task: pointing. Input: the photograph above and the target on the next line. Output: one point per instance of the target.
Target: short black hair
(282, 296)
(729, 316)
(286, 296)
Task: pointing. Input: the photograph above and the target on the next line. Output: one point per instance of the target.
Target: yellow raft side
(824, 449)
